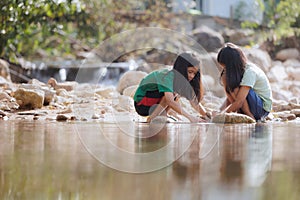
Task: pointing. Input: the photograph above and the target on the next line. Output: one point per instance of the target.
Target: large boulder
(130, 78)
(259, 57)
(209, 39)
(27, 98)
(211, 74)
(285, 54)
(239, 37)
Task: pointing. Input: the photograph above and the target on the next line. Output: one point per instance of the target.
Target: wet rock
(285, 115)
(285, 54)
(35, 113)
(232, 118)
(62, 118)
(30, 99)
(280, 105)
(130, 78)
(209, 39)
(35, 118)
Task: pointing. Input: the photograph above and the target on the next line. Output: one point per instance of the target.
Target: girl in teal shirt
(160, 90)
(247, 87)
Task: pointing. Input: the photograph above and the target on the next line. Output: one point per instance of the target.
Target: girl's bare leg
(245, 107)
(231, 97)
(161, 109)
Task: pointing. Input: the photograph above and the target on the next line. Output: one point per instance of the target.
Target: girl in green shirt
(160, 90)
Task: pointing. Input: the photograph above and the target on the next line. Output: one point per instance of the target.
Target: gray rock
(209, 39)
(296, 112)
(285, 54)
(259, 57)
(130, 78)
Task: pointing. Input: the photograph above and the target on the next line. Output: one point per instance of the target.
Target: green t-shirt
(161, 80)
(255, 78)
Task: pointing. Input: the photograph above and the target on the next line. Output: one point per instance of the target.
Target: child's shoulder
(252, 67)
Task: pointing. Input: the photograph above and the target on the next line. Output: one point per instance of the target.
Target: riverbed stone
(61, 117)
(285, 54)
(108, 92)
(232, 118)
(130, 91)
(28, 98)
(208, 38)
(285, 115)
(259, 57)
(130, 78)
(68, 85)
(48, 92)
(296, 112)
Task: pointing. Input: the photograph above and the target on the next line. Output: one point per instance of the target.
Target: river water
(93, 160)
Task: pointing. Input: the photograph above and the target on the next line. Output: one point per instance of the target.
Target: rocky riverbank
(67, 101)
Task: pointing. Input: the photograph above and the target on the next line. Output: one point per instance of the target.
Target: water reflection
(247, 154)
(46, 160)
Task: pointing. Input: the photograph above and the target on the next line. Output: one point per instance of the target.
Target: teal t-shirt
(161, 80)
(255, 78)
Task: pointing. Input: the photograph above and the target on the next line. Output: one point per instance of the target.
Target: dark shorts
(148, 103)
(256, 105)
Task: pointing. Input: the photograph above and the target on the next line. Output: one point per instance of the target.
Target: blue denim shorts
(256, 105)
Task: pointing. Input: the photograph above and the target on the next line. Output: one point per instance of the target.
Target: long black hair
(234, 60)
(181, 84)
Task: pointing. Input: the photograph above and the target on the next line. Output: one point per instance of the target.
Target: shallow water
(90, 160)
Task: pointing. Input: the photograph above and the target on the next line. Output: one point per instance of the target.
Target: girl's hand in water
(196, 119)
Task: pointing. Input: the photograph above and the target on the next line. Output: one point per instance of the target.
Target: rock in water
(232, 118)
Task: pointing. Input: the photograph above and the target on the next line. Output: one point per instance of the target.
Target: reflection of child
(247, 87)
(160, 90)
